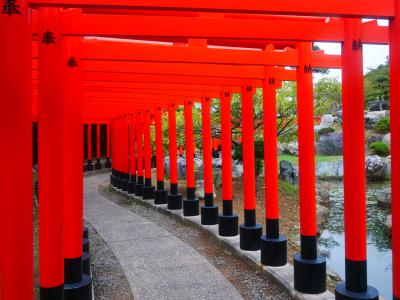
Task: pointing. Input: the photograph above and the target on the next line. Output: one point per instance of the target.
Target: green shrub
(380, 148)
(258, 154)
(326, 130)
(383, 125)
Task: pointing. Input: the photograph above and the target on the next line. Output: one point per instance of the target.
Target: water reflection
(378, 244)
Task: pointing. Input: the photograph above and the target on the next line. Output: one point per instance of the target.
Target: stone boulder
(330, 144)
(384, 198)
(375, 168)
(372, 117)
(217, 163)
(327, 120)
(388, 225)
(378, 105)
(217, 177)
(374, 138)
(237, 169)
(181, 161)
(388, 162)
(291, 148)
(287, 172)
(386, 139)
(322, 215)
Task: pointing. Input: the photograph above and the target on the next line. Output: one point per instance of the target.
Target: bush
(258, 154)
(326, 130)
(383, 125)
(380, 148)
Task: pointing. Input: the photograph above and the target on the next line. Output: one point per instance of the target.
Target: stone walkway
(156, 263)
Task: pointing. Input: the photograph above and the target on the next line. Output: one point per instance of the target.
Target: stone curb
(282, 275)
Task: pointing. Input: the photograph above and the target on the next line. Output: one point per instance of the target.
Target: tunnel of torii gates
(56, 72)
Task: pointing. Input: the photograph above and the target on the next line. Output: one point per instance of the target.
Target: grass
(318, 158)
(287, 189)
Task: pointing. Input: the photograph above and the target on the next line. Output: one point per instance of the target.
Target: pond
(378, 244)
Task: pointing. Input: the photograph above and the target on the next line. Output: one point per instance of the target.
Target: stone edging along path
(283, 275)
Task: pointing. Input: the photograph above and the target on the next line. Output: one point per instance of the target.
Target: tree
(376, 83)
(327, 96)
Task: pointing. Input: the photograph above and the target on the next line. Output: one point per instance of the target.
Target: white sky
(374, 55)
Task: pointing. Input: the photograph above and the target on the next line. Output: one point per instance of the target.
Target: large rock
(292, 148)
(330, 170)
(388, 162)
(181, 167)
(384, 198)
(330, 144)
(237, 169)
(374, 138)
(217, 177)
(372, 117)
(287, 172)
(217, 163)
(388, 225)
(326, 121)
(375, 168)
(378, 105)
(386, 139)
(322, 215)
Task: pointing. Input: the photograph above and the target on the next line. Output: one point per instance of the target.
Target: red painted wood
(305, 115)
(51, 145)
(226, 144)
(159, 143)
(189, 144)
(354, 146)
(207, 147)
(173, 167)
(395, 144)
(16, 224)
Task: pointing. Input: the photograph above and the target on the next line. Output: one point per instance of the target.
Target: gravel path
(109, 281)
(248, 281)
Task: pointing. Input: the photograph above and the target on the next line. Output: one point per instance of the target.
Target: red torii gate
(386, 9)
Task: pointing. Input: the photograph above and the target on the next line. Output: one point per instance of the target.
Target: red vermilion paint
(132, 146)
(73, 137)
(270, 147)
(16, 232)
(354, 145)
(51, 144)
(172, 144)
(139, 143)
(190, 181)
(249, 188)
(98, 155)
(207, 150)
(305, 115)
(394, 37)
(125, 143)
(226, 135)
(108, 141)
(159, 144)
(89, 142)
(147, 144)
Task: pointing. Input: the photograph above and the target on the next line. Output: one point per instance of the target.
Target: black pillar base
(396, 298)
(160, 197)
(309, 274)
(139, 189)
(228, 225)
(131, 187)
(209, 215)
(98, 165)
(250, 237)
(86, 263)
(81, 290)
(174, 201)
(148, 192)
(341, 293)
(107, 164)
(191, 207)
(112, 180)
(86, 245)
(274, 251)
(84, 168)
(124, 185)
(85, 232)
(52, 293)
(89, 166)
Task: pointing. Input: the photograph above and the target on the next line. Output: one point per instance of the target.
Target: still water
(378, 244)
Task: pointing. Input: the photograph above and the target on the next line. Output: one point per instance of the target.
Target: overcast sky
(374, 55)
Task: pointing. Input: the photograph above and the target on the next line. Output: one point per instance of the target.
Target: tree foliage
(376, 83)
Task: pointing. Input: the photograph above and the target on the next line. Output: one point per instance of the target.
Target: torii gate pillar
(161, 194)
(355, 206)
(16, 258)
(309, 268)
(394, 44)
